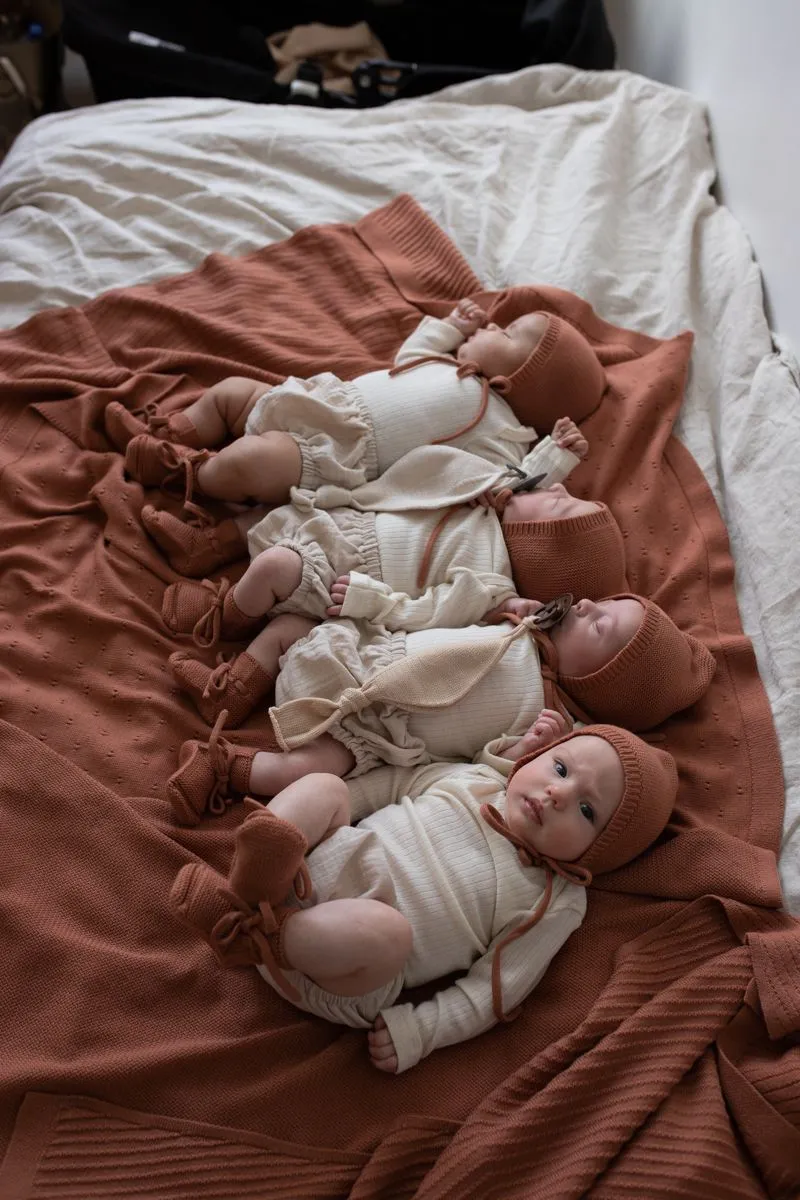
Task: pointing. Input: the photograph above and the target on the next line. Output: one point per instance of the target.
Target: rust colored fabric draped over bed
(659, 1056)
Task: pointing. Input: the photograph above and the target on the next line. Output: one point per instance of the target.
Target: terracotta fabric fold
(660, 1046)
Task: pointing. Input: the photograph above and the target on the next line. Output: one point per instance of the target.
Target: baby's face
(593, 632)
(502, 351)
(552, 503)
(562, 800)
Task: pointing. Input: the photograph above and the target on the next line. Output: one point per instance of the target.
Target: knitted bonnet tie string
(464, 371)
(554, 694)
(425, 565)
(497, 502)
(528, 857)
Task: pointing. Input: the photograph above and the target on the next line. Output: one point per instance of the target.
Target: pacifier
(524, 482)
(554, 611)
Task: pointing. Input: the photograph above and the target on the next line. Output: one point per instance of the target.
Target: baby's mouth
(534, 808)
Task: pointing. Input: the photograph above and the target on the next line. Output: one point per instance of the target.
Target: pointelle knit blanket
(658, 1057)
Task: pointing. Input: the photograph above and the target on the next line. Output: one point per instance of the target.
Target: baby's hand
(567, 436)
(467, 317)
(338, 592)
(381, 1047)
(515, 605)
(548, 727)
(485, 500)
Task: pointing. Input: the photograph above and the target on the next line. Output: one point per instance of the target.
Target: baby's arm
(567, 436)
(467, 317)
(461, 600)
(502, 752)
(549, 726)
(466, 1009)
(434, 336)
(550, 459)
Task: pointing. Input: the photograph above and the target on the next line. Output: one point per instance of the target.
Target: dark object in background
(138, 48)
(30, 64)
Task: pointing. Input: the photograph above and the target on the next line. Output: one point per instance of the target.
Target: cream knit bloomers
(329, 543)
(330, 423)
(342, 654)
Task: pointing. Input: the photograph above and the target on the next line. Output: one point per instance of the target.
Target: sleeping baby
(350, 697)
(415, 568)
(483, 387)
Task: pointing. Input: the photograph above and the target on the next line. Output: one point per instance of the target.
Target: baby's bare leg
(271, 771)
(261, 467)
(246, 519)
(223, 409)
(269, 646)
(318, 804)
(271, 577)
(348, 947)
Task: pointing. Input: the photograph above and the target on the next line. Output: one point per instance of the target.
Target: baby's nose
(555, 795)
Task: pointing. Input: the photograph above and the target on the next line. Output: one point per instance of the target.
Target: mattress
(599, 183)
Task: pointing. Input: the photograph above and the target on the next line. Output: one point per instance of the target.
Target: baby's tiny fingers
(389, 1065)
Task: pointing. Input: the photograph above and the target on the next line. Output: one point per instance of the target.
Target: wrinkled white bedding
(596, 182)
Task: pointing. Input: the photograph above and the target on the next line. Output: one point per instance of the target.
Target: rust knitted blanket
(659, 1057)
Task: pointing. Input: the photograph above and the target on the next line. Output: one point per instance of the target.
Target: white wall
(742, 57)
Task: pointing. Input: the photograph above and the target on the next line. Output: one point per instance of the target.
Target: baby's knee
(393, 935)
(289, 628)
(281, 568)
(268, 464)
(335, 792)
(235, 398)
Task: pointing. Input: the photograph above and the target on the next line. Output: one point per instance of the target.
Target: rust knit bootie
(151, 461)
(235, 686)
(208, 611)
(269, 859)
(122, 425)
(195, 550)
(205, 901)
(239, 935)
(208, 775)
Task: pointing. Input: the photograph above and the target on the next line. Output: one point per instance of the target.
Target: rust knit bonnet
(561, 378)
(660, 672)
(584, 555)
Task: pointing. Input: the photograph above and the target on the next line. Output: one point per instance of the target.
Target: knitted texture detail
(584, 555)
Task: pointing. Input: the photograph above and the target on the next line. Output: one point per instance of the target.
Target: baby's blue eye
(560, 768)
(587, 811)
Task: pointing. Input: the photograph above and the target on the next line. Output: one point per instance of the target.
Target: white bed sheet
(596, 182)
